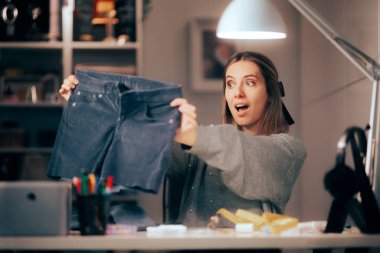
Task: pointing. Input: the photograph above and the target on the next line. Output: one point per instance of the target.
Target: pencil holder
(102, 211)
(93, 214)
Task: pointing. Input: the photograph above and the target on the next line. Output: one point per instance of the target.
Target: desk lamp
(368, 66)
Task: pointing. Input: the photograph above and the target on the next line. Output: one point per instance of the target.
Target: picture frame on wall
(208, 55)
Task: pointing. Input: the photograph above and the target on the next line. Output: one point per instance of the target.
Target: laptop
(35, 208)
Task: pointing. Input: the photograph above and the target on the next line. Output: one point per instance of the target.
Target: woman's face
(246, 95)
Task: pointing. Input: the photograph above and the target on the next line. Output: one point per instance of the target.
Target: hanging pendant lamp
(251, 19)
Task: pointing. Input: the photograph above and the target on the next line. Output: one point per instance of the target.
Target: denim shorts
(117, 125)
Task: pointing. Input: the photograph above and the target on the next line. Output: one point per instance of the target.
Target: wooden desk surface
(192, 239)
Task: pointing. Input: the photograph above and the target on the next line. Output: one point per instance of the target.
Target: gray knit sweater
(228, 168)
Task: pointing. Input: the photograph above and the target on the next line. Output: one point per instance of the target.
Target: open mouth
(241, 107)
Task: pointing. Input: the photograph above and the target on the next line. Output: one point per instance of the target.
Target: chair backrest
(171, 199)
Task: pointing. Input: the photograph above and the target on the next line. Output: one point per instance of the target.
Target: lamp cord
(335, 91)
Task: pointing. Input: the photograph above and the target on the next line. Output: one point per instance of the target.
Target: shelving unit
(38, 120)
(72, 49)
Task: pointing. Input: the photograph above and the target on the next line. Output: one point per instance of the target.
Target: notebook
(35, 208)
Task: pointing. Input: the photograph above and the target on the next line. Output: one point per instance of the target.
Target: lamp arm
(363, 62)
(369, 67)
(367, 62)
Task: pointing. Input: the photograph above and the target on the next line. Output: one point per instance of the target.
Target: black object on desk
(344, 183)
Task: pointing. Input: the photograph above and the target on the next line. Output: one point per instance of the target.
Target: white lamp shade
(251, 19)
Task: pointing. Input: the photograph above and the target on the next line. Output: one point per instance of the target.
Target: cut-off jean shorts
(117, 125)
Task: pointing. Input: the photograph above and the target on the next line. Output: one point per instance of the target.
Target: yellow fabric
(276, 223)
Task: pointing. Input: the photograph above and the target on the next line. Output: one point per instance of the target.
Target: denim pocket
(84, 96)
(157, 112)
(83, 106)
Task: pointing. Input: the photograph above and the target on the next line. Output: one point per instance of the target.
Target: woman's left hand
(186, 131)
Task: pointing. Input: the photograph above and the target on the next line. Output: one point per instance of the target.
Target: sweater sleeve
(254, 167)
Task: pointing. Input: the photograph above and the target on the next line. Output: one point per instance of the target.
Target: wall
(166, 57)
(332, 98)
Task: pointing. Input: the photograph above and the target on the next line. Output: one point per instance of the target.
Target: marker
(84, 185)
(91, 183)
(109, 184)
(77, 182)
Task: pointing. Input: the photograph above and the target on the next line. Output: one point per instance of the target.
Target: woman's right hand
(186, 131)
(68, 84)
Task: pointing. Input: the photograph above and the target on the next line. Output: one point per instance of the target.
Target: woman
(250, 161)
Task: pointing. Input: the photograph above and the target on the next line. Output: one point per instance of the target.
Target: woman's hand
(68, 84)
(186, 131)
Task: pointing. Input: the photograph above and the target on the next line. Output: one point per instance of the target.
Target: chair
(171, 199)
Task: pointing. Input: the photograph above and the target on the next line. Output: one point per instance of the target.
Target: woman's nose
(239, 91)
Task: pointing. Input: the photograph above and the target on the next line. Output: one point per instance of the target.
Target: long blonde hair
(274, 121)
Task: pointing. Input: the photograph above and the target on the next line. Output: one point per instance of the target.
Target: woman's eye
(250, 83)
(230, 84)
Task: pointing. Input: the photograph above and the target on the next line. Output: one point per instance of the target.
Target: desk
(194, 239)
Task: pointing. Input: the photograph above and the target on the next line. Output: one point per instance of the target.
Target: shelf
(23, 150)
(104, 45)
(31, 105)
(33, 45)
